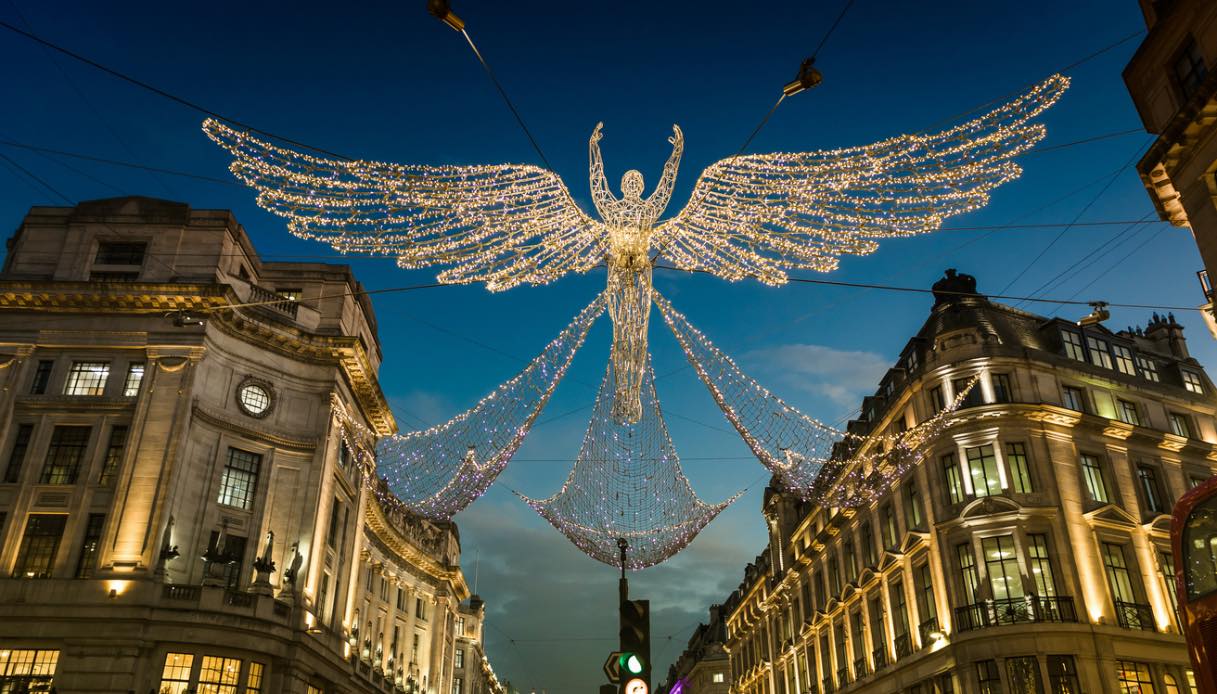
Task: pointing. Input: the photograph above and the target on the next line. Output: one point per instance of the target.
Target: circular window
(255, 397)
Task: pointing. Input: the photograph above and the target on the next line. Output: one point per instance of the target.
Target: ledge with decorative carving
(279, 439)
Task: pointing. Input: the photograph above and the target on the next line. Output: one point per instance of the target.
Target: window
(1169, 683)
(456, 685)
(1024, 674)
(821, 596)
(120, 253)
(1001, 388)
(64, 454)
(857, 642)
(851, 562)
(331, 537)
(1149, 368)
(900, 613)
(16, 456)
(175, 677)
(323, 596)
(42, 377)
(1166, 569)
(88, 548)
(1134, 677)
(114, 455)
(384, 589)
(401, 599)
(1001, 563)
(1040, 565)
(1020, 474)
(240, 479)
(988, 676)
(1099, 356)
(926, 608)
(1151, 489)
(420, 609)
(219, 675)
(952, 479)
(87, 378)
(890, 531)
(1180, 425)
(914, 514)
(936, 400)
(967, 572)
(254, 398)
(135, 376)
(718, 678)
(39, 546)
(982, 470)
(974, 397)
(460, 658)
(1189, 69)
(1063, 675)
(1117, 573)
(1092, 472)
(1073, 398)
(1192, 382)
(253, 682)
(834, 575)
(1124, 360)
(1127, 412)
(1073, 345)
(868, 544)
(878, 638)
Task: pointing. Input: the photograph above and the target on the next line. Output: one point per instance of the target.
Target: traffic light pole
(623, 586)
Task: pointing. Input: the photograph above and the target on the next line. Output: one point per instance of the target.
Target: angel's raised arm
(663, 191)
(602, 197)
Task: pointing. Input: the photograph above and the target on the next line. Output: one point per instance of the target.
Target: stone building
(472, 673)
(1173, 82)
(188, 502)
(1028, 551)
(703, 667)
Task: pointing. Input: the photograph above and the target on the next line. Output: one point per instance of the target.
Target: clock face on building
(636, 686)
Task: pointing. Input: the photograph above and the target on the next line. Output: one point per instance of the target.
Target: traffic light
(634, 660)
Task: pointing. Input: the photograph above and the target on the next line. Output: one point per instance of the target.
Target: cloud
(840, 376)
(420, 409)
(552, 611)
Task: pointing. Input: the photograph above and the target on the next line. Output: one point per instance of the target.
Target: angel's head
(631, 184)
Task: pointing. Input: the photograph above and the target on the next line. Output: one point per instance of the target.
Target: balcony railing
(843, 676)
(274, 301)
(904, 646)
(238, 599)
(1134, 615)
(172, 592)
(828, 686)
(926, 628)
(860, 668)
(1026, 610)
(879, 658)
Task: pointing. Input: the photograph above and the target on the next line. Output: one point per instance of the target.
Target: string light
(439, 471)
(793, 446)
(755, 215)
(627, 483)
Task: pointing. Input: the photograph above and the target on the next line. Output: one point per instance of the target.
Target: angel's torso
(630, 224)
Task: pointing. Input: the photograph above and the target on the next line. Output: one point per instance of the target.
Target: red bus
(1194, 541)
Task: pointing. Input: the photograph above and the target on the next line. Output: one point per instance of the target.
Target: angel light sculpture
(757, 215)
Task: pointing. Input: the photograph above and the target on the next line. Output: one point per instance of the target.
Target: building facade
(472, 672)
(1172, 79)
(188, 500)
(1027, 552)
(703, 667)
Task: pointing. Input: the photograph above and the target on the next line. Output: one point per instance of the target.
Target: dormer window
(1189, 69)
(1149, 368)
(1073, 345)
(1099, 356)
(1192, 382)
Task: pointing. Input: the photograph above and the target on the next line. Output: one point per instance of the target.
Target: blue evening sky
(386, 81)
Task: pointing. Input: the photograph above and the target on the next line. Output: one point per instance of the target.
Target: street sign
(612, 667)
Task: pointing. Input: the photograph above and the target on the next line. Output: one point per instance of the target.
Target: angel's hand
(597, 134)
(677, 137)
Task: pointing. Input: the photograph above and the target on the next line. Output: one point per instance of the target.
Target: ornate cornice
(277, 439)
(378, 524)
(346, 352)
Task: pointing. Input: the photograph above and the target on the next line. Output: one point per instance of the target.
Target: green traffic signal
(631, 663)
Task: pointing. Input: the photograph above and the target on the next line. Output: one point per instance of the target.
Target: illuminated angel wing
(504, 225)
(759, 215)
